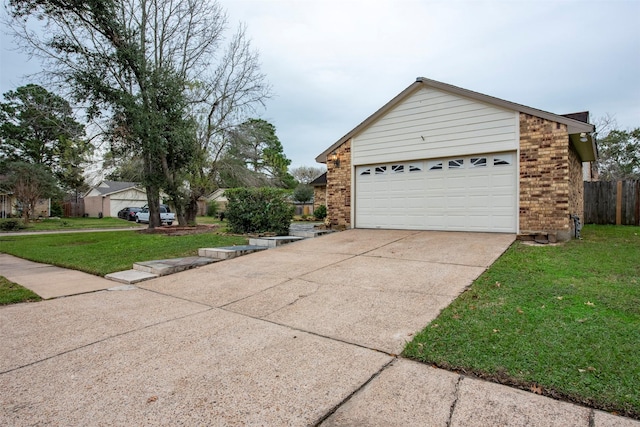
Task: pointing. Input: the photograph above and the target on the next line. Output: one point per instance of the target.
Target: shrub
(13, 224)
(212, 208)
(320, 212)
(258, 210)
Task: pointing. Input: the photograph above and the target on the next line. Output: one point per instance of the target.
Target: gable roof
(109, 187)
(319, 181)
(575, 126)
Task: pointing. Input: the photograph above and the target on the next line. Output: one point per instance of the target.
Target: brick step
(272, 242)
(162, 267)
(228, 252)
(310, 234)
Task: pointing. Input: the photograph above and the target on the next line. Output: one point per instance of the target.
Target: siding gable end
(432, 123)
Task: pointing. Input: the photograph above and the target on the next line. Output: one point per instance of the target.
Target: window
(381, 170)
(397, 168)
(435, 165)
(502, 160)
(478, 162)
(415, 168)
(366, 171)
(456, 164)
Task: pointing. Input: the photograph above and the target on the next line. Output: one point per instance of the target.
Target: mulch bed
(181, 231)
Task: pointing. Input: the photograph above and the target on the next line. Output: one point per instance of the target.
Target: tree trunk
(153, 200)
(191, 211)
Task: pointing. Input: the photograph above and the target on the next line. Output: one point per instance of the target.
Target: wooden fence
(612, 202)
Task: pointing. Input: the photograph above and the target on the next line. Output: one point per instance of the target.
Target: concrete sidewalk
(306, 334)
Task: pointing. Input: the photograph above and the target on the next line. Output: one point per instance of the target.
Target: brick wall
(545, 171)
(576, 186)
(339, 188)
(319, 196)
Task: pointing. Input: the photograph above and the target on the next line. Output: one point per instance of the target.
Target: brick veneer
(339, 188)
(319, 196)
(550, 178)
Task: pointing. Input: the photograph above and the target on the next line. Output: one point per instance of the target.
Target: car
(128, 213)
(166, 217)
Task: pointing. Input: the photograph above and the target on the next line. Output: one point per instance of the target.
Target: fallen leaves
(537, 389)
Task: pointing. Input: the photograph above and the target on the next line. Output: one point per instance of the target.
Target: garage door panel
(474, 193)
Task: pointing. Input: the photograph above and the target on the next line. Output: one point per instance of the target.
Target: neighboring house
(439, 157)
(218, 197)
(108, 197)
(319, 191)
(9, 207)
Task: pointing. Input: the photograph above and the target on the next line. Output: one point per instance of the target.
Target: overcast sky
(332, 63)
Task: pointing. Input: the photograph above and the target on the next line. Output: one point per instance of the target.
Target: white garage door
(465, 193)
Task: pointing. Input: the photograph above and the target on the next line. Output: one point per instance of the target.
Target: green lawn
(12, 293)
(562, 320)
(105, 252)
(55, 224)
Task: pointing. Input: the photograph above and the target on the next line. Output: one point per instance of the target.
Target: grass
(563, 321)
(105, 252)
(12, 293)
(54, 224)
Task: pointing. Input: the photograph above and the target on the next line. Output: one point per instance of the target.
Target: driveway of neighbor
(305, 334)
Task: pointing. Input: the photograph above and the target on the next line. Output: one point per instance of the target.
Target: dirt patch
(181, 231)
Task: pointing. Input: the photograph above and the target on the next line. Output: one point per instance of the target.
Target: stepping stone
(228, 252)
(129, 277)
(162, 267)
(272, 242)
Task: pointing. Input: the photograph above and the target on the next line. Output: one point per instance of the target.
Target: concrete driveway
(305, 334)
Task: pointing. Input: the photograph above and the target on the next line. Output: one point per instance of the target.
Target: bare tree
(152, 68)
(306, 174)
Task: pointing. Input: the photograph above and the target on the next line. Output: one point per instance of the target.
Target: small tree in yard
(303, 193)
(258, 210)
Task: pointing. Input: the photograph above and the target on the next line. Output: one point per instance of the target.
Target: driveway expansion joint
(353, 393)
(456, 395)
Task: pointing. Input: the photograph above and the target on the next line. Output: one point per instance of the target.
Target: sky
(332, 63)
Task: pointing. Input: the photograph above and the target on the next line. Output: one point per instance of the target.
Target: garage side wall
(576, 186)
(339, 188)
(319, 196)
(544, 178)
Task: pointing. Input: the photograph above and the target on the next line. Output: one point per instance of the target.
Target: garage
(440, 157)
(461, 193)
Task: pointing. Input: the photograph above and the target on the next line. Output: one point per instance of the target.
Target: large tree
(143, 65)
(619, 155)
(255, 157)
(37, 126)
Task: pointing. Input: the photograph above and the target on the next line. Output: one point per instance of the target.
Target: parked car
(166, 217)
(128, 213)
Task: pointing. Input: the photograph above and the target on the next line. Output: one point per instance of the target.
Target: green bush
(258, 210)
(320, 212)
(12, 224)
(56, 209)
(212, 209)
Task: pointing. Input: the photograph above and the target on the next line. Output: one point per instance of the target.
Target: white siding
(432, 123)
